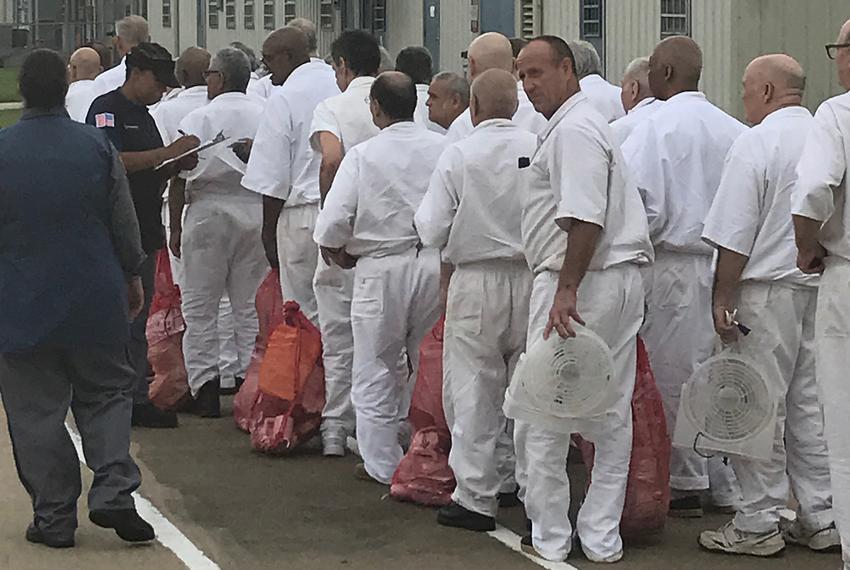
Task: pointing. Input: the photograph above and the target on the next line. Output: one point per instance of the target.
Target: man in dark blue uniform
(123, 115)
(70, 256)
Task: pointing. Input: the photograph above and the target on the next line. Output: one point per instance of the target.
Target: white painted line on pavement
(512, 540)
(166, 533)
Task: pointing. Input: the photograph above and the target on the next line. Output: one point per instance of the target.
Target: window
(379, 16)
(269, 20)
(166, 13)
(675, 18)
(288, 11)
(248, 13)
(230, 14)
(213, 7)
(326, 14)
(591, 19)
(528, 29)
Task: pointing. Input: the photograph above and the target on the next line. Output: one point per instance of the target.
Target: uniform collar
(493, 124)
(34, 112)
(361, 83)
(688, 95)
(796, 111)
(197, 89)
(643, 103)
(400, 126)
(567, 106)
(231, 96)
(592, 78)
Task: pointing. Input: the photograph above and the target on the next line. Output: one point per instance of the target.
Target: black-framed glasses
(209, 72)
(832, 49)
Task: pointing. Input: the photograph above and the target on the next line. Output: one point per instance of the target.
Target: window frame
(668, 16)
(230, 14)
(326, 14)
(166, 13)
(213, 8)
(246, 23)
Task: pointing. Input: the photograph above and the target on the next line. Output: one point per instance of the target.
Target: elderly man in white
(822, 228)
(636, 97)
(83, 68)
(220, 245)
(757, 279)
(129, 32)
(604, 96)
(585, 235)
(676, 157)
(367, 222)
(472, 212)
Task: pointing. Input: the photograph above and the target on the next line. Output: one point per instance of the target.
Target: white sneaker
(333, 445)
(730, 540)
(825, 540)
(351, 445)
(616, 557)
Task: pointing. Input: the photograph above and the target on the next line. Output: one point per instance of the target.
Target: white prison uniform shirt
(676, 157)
(421, 114)
(526, 116)
(751, 213)
(346, 116)
(283, 165)
(111, 79)
(472, 209)
(624, 126)
(168, 114)
(604, 96)
(79, 98)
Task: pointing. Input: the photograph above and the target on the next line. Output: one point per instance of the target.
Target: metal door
(431, 31)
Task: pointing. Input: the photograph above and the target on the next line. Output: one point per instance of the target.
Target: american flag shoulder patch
(104, 120)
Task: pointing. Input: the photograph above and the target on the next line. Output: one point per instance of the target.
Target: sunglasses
(832, 49)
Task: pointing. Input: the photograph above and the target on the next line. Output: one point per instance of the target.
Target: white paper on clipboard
(217, 140)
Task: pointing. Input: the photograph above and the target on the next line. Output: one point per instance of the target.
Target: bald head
(772, 82)
(494, 96)
(490, 51)
(84, 64)
(308, 28)
(289, 39)
(675, 67)
(191, 65)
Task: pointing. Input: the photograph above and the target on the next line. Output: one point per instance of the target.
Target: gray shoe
(824, 540)
(730, 540)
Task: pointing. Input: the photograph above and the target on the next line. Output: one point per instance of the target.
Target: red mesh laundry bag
(648, 489)
(164, 331)
(424, 475)
(269, 304)
(288, 411)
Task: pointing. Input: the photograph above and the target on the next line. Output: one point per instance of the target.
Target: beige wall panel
(633, 27)
(455, 33)
(404, 25)
(560, 18)
(711, 29)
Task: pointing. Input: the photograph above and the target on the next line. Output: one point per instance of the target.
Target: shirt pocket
(368, 300)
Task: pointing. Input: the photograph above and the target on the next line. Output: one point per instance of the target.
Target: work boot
(730, 540)
(233, 390)
(689, 507)
(824, 540)
(36, 536)
(149, 416)
(126, 523)
(456, 516)
(509, 500)
(207, 404)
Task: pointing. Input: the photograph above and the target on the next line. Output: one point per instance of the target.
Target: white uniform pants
(333, 288)
(832, 335)
(298, 256)
(486, 322)
(611, 303)
(222, 254)
(679, 335)
(782, 342)
(395, 304)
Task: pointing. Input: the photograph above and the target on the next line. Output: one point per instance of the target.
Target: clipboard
(217, 140)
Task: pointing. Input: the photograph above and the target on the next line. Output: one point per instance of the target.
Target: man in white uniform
(283, 166)
(448, 98)
(603, 95)
(83, 67)
(367, 219)
(822, 228)
(221, 248)
(636, 97)
(416, 63)
(585, 235)
(757, 279)
(189, 70)
(472, 213)
(676, 157)
(339, 124)
(493, 51)
(129, 32)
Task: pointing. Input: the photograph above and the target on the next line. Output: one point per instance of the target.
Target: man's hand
(189, 162)
(338, 256)
(174, 241)
(727, 331)
(270, 247)
(563, 309)
(135, 297)
(810, 259)
(242, 149)
(181, 145)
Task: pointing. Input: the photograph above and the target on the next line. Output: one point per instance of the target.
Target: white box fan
(727, 408)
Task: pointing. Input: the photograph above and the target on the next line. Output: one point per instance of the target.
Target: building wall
(632, 30)
(560, 18)
(404, 25)
(455, 34)
(711, 28)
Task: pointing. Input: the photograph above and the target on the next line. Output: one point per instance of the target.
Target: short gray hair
(638, 69)
(309, 30)
(586, 58)
(252, 56)
(133, 30)
(456, 83)
(234, 67)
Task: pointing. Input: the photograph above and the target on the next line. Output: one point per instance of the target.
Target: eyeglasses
(209, 72)
(832, 49)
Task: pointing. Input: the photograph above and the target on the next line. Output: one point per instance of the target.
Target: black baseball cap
(155, 58)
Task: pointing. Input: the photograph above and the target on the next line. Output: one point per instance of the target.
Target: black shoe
(689, 507)
(234, 390)
(126, 523)
(148, 415)
(207, 404)
(509, 500)
(527, 546)
(455, 516)
(528, 524)
(35, 536)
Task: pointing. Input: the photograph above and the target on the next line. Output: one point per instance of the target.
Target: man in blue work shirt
(123, 115)
(70, 256)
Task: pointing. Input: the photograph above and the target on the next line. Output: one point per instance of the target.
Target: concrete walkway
(11, 106)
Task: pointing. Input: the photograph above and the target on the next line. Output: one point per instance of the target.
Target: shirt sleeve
(124, 225)
(579, 167)
(641, 154)
(735, 214)
(193, 125)
(821, 169)
(109, 122)
(434, 218)
(323, 120)
(269, 169)
(335, 224)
